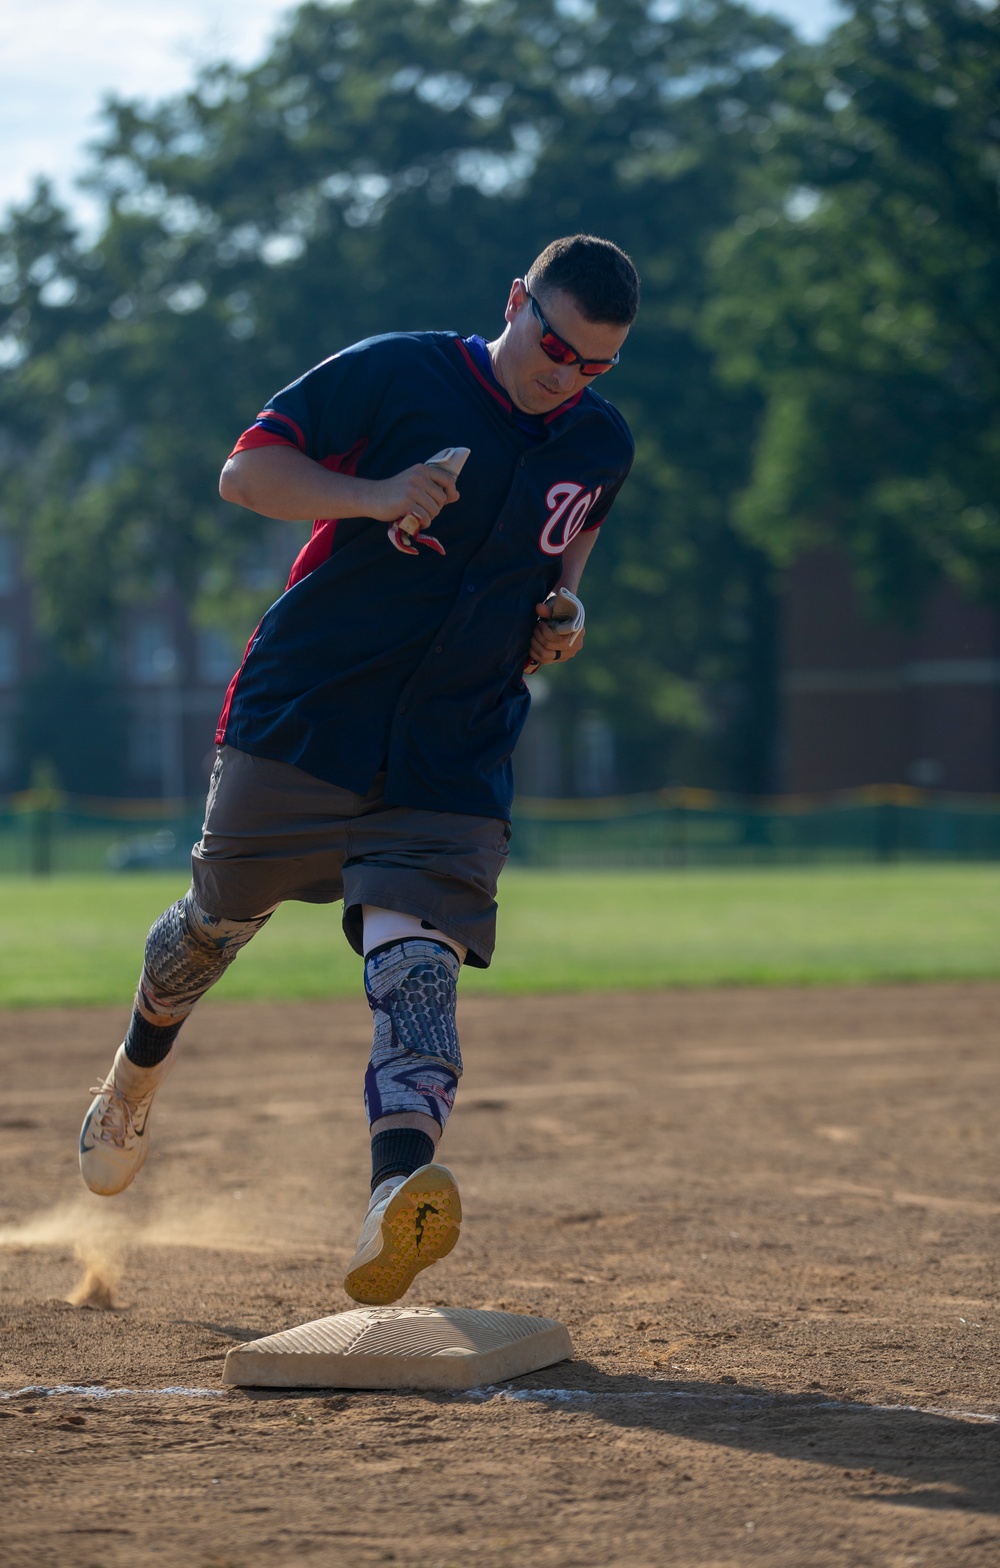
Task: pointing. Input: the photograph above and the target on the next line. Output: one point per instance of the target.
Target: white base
(400, 1347)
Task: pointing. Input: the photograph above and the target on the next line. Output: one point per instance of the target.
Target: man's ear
(516, 301)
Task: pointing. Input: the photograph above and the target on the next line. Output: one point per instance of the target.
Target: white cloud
(58, 58)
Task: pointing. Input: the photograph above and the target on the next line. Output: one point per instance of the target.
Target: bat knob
(401, 540)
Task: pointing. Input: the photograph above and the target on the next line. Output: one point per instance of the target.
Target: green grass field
(79, 939)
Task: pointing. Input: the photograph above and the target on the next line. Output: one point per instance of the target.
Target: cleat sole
(419, 1227)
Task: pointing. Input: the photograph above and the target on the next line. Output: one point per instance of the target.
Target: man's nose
(564, 376)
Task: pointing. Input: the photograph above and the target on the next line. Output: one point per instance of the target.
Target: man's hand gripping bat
(566, 617)
(407, 533)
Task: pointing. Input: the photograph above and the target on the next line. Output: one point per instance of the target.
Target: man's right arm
(280, 481)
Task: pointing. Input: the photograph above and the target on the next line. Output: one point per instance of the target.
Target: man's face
(535, 382)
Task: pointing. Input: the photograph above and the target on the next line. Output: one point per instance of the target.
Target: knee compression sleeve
(416, 1062)
(187, 951)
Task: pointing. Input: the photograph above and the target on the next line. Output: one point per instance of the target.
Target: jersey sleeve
(612, 438)
(607, 498)
(329, 411)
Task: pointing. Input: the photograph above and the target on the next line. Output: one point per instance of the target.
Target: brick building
(867, 702)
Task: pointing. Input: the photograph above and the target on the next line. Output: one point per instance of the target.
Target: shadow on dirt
(231, 1331)
(945, 1460)
(950, 1460)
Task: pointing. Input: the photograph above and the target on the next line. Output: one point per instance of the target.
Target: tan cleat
(114, 1138)
(412, 1221)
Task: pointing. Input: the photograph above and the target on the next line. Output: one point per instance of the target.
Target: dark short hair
(599, 277)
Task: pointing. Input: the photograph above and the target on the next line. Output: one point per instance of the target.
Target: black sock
(147, 1044)
(399, 1152)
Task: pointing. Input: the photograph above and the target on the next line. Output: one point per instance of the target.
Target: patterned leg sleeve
(416, 1061)
(187, 951)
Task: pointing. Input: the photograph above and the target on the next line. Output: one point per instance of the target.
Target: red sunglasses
(561, 352)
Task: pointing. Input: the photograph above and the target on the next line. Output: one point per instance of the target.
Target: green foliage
(859, 290)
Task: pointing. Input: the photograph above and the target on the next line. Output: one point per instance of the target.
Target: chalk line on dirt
(98, 1391)
(763, 1401)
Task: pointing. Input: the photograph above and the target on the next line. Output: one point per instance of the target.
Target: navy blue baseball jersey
(372, 659)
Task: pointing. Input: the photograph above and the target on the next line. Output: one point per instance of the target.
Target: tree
(859, 293)
(392, 164)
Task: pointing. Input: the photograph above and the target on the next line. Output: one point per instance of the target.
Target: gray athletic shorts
(273, 833)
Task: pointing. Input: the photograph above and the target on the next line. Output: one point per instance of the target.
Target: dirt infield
(768, 1218)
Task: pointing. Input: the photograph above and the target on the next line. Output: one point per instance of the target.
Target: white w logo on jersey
(568, 505)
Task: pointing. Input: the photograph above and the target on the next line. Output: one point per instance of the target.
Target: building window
(144, 747)
(153, 656)
(8, 656)
(594, 760)
(217, 658)
(926, 772)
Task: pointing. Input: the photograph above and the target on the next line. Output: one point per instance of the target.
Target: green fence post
(41, 840)
(886, 831)
(44, 800)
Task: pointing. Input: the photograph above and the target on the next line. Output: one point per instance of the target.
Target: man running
(365, 742)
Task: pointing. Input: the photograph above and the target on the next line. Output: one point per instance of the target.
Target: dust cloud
(97, 1241)
(100, 1238)
(103, 1267)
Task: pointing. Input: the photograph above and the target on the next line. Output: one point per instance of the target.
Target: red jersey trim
(505, 401)
(320, 544)
(570, 402)
(315, 552)
(284, 419)
(255, 437)
(309, 557)
(220, 733)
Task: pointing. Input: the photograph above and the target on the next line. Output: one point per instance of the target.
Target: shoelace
(116, 1124)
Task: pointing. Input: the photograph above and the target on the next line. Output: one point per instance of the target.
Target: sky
(58, 58)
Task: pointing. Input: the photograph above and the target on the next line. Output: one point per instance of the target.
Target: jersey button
(522, 462)
(470, 588)
(439, 649)
(499, 528)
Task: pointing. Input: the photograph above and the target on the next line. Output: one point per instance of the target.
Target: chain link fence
(697, 828)
(44, 832)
